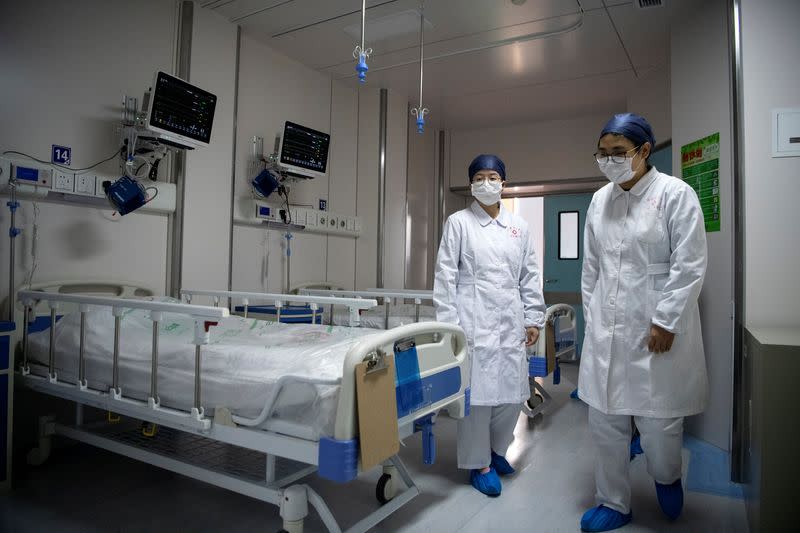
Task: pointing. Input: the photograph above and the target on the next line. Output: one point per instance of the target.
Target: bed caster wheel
(384, 491)
(535, 400)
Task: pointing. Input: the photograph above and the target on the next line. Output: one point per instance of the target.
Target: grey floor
(82, 489)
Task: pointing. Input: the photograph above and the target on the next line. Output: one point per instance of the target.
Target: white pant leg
(612, 436)
(502, 425)
(662, 441)
(474, 446)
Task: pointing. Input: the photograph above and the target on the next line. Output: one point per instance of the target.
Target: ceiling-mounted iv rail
(421, 111)
(494, 44)
(361, 53)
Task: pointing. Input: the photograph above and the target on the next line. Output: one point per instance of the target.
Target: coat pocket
(657, 276)
(650, 227)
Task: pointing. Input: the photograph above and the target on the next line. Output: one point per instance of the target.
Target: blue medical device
(265, 183)
(362, 68)
(125, 194)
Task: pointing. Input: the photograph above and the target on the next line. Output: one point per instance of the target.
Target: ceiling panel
(561, 100)
(592, 50)
(577, 72)
(645, 33)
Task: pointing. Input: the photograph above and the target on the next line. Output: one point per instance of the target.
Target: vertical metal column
(154, 360)
(440, 194)
(12, 233)
(25, 325)
(381, 187)
(175, 252)
(52, 361)
(115, 364)
(233, 160)
(738, 434)
(197, 369)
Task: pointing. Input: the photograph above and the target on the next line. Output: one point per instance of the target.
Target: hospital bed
(398, 307)
(560, 331)
(559, 338)
(247, 405)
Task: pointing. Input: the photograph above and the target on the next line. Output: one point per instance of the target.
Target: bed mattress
(240, 366)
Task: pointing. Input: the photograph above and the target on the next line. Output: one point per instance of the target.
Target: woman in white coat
(487, 282)
(643, 268)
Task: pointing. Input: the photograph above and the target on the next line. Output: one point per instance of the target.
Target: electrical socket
(85, 184)
(64, 182)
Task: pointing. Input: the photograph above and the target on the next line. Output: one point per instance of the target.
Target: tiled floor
(82, 489)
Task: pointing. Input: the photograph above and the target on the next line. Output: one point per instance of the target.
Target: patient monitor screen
(181, 108)
(305, 148)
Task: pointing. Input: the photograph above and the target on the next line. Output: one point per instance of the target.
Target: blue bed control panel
(32, 175)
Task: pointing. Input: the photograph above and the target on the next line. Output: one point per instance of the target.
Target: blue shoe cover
(487, 483)
(501, 466)
(670, 498)
(602, 518)
(574, 395)
(636, 447)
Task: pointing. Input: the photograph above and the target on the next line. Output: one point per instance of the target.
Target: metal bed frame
(229, 451)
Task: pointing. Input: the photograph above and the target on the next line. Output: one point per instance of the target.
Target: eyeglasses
(478, 179)
(618, 157)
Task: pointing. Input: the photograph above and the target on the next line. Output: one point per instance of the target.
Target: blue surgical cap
(487, 162)
(633, 127)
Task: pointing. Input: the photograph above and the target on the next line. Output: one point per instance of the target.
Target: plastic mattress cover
(239, 367)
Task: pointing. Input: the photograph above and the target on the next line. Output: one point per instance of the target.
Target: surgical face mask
(618, 173)
(487, 192)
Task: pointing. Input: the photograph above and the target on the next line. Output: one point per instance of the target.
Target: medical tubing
(52, 365)
(269, 405)
(75, 170)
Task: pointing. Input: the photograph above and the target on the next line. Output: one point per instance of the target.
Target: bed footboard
(444, 378)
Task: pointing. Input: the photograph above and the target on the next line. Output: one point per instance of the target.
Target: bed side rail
(282, 300)
(387, 296)
(203, 316)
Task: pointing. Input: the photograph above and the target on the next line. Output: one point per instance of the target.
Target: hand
(531, 336)
(660, 339)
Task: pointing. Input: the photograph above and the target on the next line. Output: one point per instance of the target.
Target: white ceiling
(590, 69)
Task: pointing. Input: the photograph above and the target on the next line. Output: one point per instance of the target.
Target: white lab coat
(644, 262)
(487, 282)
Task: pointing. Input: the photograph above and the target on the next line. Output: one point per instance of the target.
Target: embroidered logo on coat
(515, 232)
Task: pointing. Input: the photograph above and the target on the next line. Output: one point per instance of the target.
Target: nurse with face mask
(487, 282)
(644, 263)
